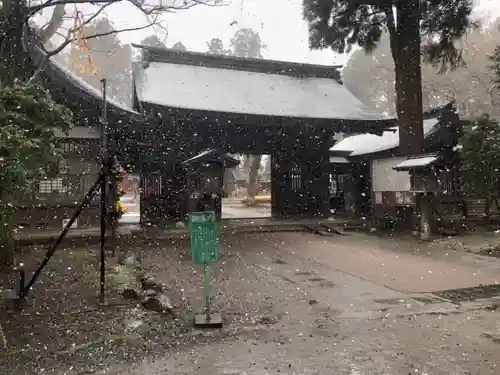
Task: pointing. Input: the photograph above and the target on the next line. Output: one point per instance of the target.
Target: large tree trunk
(405, 48)
(6, 236)
(13, 59)
(409, 78)
(247, 160)
(228, 182)
(15, 64)
(253, 177)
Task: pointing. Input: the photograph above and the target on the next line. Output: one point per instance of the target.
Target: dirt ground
(63, 316)
(292, 303)
(64, 327)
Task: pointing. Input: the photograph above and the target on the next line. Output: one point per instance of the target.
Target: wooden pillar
(425, 217)
(275, 185)
(415, 217)
(278, 171)
(373, 200)
(285, 198)
(323, 182)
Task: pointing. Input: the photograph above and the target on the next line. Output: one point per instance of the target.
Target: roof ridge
(209, 60)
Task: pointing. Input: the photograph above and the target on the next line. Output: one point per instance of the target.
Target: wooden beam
(378, 3)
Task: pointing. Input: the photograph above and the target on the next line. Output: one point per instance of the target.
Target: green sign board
(203, 236)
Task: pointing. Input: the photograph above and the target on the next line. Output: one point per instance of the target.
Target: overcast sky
(279, 23)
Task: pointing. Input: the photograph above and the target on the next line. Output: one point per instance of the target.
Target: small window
(333, 186)
(50, 186)
(63, 167)
(296, 177)
(64, 146)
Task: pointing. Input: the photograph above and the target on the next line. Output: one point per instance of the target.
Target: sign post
(204, 249)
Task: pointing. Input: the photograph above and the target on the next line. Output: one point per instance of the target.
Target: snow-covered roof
(199, 156)
(54, 68)
(415, 162)
(338, 160)
(79, 132)
(364, 144)
(212, 155)
(88, 88)
(204, 88)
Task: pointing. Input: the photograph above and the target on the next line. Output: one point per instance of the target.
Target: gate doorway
(131, 200)
(247, 188)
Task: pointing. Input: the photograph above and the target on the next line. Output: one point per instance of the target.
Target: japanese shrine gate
(287, 110)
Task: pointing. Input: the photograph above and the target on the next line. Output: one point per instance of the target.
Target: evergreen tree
(247, 43)
(480, 150)
(340, 24)
(216, 46)
(370, 77)
(495, 67)
(179, 46)
(153, 40)
(28, 151)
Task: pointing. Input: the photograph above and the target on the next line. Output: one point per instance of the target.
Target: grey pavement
(401, 265)
(133, 213)
(296, 303)
(233, 208)
(244, 213)
(440, 345)
(341, 305)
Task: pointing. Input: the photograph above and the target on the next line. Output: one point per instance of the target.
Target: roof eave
(52, 70)
(394, 151)
(372, 126)
(419, 167)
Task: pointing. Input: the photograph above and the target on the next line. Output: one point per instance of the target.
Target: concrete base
(425, 234)
(425, 220)
(200, 321)
(9, 298)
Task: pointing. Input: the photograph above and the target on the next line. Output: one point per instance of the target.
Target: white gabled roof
(38, 55)
(339, 160)
(244, 92)
(364, 144)
(414, 162)
(87, 87)
(79, 132)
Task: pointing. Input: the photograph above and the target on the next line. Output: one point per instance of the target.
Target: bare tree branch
(142, 6)
(56, 21)
(71, 38)
(57, 17)
(57, 3)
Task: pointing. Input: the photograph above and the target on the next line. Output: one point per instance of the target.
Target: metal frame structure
(106, 187)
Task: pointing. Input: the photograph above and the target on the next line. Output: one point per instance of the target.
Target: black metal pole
(113, 198)
(103, 237)
(22, 281)
(52, 250)
(104, 183)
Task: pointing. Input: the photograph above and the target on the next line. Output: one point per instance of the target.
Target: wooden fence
(452, 209)
(56, 201)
